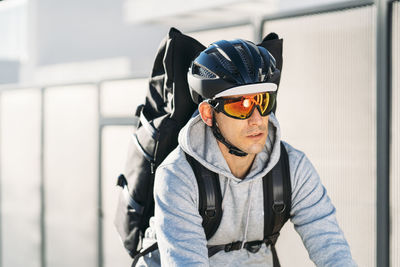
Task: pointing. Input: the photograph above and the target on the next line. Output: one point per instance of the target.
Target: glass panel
(120, 98)
(114, 150)
(71, 176)
(395, 146)
(20, 129)
(327, 108)
(207, 37)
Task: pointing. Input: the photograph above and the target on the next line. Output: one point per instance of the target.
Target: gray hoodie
(177, 222)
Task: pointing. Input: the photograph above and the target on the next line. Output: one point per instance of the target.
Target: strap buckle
(278, 207)
(121, 181)
(253, 246)
(233, 246)
(210, 213)
(271, 239)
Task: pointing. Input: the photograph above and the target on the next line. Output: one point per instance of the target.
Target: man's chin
(254, 149)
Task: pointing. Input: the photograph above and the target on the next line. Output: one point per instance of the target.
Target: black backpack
(167, 108)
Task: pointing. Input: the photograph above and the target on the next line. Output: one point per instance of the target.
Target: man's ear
(206, 113)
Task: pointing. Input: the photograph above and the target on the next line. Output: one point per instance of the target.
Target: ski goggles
(243, 107)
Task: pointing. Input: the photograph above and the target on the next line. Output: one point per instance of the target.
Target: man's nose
(256, 117)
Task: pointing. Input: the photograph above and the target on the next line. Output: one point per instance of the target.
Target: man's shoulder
(298, 160)
(293, 153)
(176, 158)
(175, 180)
(175, 168)
(301, 169)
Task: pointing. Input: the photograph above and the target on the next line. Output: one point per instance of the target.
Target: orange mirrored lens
(242, 107)
(263, 101)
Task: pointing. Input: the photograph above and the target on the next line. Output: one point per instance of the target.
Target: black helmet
(232, 68)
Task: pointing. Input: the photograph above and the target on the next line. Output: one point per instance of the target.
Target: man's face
(249, 135)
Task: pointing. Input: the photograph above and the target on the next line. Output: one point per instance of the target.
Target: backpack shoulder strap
(277, 200)
(210, 201)
(210, 197)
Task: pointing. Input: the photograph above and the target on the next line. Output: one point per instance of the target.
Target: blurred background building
(72, 74)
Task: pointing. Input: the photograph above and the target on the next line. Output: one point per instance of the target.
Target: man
(237, 136)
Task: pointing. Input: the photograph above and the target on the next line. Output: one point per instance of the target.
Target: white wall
(326, 107)
(20, 177)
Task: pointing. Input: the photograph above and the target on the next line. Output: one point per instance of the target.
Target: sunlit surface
(13, 30)
(120, 98)
(20, 112)
(93, 70)
(208, 37)
(326, 107)
(395, 145)
(115, 144)
(71, 176)
(196, 14)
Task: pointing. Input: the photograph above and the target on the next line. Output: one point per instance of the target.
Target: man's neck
(239, 166)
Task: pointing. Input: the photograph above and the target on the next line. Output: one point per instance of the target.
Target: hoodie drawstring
(248, 215)
(226, 184)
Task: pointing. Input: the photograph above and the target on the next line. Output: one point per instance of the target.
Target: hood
(197, 140)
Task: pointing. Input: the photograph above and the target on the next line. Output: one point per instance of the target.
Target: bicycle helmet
(232, 68)
(228, 68)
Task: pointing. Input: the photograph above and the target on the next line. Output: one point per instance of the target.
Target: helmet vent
(245, 58)
(226, 63)
(203, 72)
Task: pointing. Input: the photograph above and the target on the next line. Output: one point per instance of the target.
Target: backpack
(167, 108)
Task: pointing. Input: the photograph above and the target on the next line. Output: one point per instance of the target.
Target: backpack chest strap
(251, 246)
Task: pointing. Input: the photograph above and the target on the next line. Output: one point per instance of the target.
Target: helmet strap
(218, 135)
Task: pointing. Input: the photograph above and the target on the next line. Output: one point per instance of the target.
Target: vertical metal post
(100, 249)
(42, 182)
(383, 54)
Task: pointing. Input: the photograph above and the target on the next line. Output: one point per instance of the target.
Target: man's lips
(256, 135)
